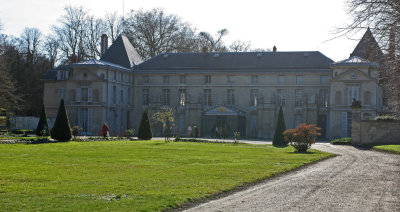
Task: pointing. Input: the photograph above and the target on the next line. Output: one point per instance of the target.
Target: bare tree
(114, 25)
(383, 18)
(213, 44)
(240, 46)
(71, 32)
(153, 32)
(30, 41)
(94, 29)
(51, 48)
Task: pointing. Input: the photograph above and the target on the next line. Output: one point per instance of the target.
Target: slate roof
(237, 61)
(93, 62)
(368, 48)
(354, 61)
(52, 73)
(122, 52)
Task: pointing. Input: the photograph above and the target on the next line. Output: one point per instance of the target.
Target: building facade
(219, 93)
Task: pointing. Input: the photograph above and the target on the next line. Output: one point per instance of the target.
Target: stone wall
(27, 122)
(366, 132)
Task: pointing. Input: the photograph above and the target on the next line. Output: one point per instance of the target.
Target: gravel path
(356, 180)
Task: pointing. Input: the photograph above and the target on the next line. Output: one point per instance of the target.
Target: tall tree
(113, 24)
(51, 48)
(154, 32)
(383, 18)
(144, 132)
(94, 29)
(213, 44)
(280, 128)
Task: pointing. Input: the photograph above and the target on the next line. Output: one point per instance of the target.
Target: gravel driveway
(356, 180)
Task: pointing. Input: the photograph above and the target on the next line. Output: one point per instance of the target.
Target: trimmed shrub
(42, 128)
(341, 141)
(144, 132)
(280, 128)
(386, 118)
(61, 130)
(302, 137)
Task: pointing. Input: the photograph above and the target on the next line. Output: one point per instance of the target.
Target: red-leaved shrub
(302, 137)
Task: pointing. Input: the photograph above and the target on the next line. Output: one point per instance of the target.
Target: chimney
(104, 43)
(274, 49)
(204, 50)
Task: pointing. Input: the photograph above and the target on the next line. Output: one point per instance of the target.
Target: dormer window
(62, 75)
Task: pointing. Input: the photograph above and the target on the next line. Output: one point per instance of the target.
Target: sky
(290, 25)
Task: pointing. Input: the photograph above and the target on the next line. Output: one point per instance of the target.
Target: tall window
(299, 80)
(129, 96)
(352, 93)
(324, 79)
(231, 96)
(84, 94)
(281, 97)
(207, 97)
(146, 97)
(165, 79)
(323, 97)
(281, 79)
(254, 79)
(207, 79)
(338, 98)
(298, 119)
(114, 94)
(122, 96)
(254, 97)
(115, 76)
(165, 97)
(182, 79)
(61, 93)
(182, 97)
(367, 98)
(299, 97)
(146, 79)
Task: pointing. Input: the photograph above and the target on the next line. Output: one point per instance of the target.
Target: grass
(390, 148)
(341, 141)
(132, 175)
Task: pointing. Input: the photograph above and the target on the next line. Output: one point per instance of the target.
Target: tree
(280, 128)
(51, 48)
(302, 137)
(42, 127)
(94, 29)
(166, 118)
(144, 132)
(240, 46)
(154, 32)
(61, 130)
(383, 18)
(113, 24)
(213, 44)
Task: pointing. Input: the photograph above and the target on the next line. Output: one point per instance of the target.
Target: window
(299, 97)
(281, 79)
(254, 97)
(298, 119)
(352, 93)
(182, 97)
(254, 79)
(182, 79)
(165, 97)
(114, 94)
(165, 79)
(207, 79)
(323, 97)
(84, 94)
(146, 97)
(367, 98)
(146, 79)
(230, 79)
(115, 76)
(61, 93)
(338, 98)
(281, 97)
(122, 77)
(231, 97)
(324, 79)
(299, 80)
(129, 96)
(207, 97)
(122, 96)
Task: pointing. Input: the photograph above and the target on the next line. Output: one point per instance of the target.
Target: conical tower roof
(122, 52)
(368, 48)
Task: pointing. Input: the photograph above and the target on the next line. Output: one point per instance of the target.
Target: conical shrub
(61, 130)
(280, 128)
(144, 132)
(42, 128)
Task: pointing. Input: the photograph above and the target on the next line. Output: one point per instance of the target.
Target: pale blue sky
(291, 25)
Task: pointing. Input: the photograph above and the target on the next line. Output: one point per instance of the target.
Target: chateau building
(220, 93)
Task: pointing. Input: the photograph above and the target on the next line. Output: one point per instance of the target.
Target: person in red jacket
(105, 129)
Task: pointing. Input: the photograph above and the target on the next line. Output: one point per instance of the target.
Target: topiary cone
(61, 130)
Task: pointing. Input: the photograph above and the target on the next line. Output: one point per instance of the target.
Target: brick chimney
(274, 49)
(104, 43)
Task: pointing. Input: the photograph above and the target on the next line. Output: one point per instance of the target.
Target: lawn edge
(385, 151)
(195, 202)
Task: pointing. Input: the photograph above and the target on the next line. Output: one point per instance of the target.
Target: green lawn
(390, 148)
(131, 175)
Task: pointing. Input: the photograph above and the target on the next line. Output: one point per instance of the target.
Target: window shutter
(78, 94)
(90, 119)
(90, 95)
(79, 118)
(58, 75)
